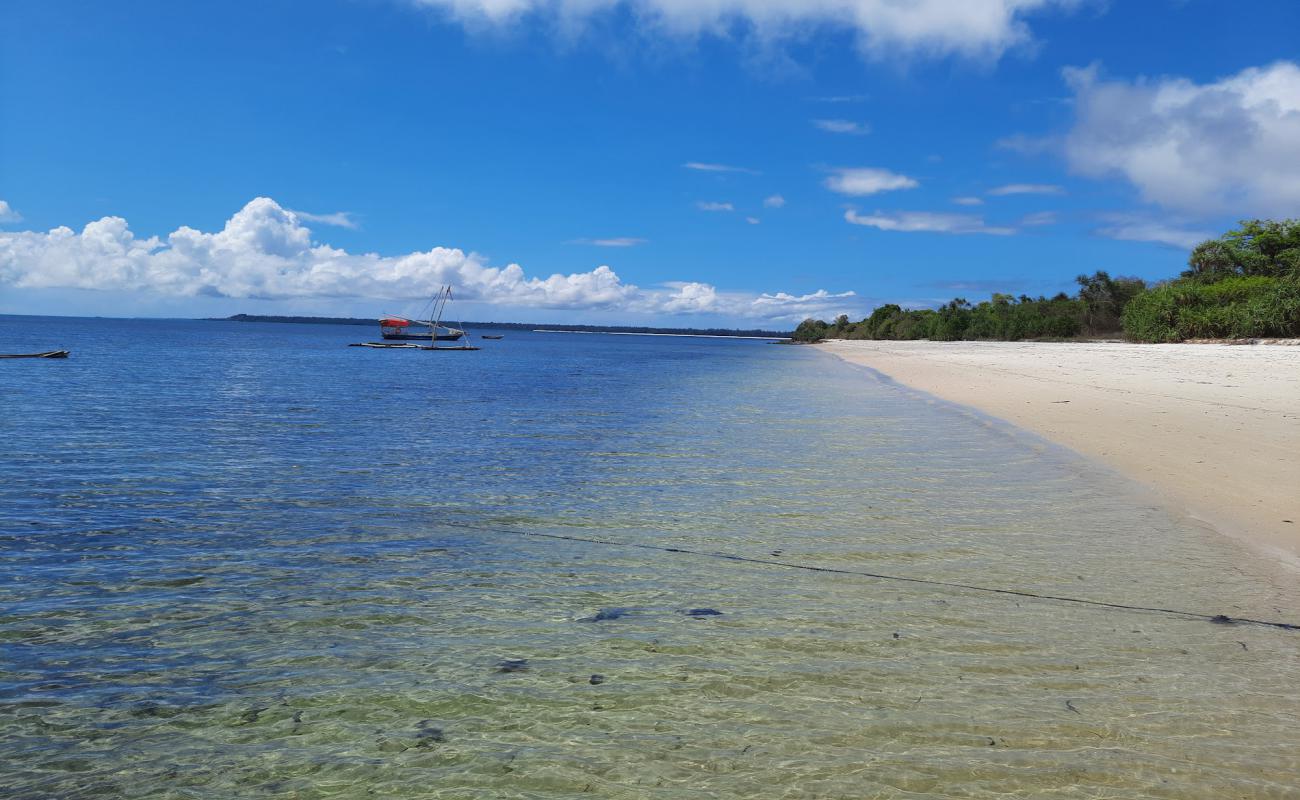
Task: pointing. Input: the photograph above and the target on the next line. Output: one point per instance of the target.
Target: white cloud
(704, 167)
(1230, 146)
(1038, 218)
(796, 307)
(1139, 228)
(708, 206)
(753, 220)
(843, 126)
(1025, 188)
(925, 221)
(1029, 145)
(614, 241)
(8, 214)
(692, 297)
(978, 29)
(840, 98)
(968, 201)
(774, 201)
(264, 251)
(339, 219)
(859, 181)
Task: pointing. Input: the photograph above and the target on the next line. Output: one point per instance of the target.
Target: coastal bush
(1231, 308)
(1102, 300)
(1245, 284)
(1264, 248)
(810, 330)
(1007, 318)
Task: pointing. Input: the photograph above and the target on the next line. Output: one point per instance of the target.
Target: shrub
(1232, 308)
(810, 330)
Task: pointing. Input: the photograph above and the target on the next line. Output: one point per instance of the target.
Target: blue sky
(732, 162)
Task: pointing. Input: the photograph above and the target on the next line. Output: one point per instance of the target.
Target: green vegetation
(1244, 284)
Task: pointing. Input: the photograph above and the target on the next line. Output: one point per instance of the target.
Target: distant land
(521, 326)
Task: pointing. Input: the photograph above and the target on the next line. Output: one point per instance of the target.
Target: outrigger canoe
(46, 354)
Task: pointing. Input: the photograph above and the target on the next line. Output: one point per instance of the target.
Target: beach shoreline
(1212, 429)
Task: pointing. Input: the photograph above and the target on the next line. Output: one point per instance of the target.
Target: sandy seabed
(1214, 429)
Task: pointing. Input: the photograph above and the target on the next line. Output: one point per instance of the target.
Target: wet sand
(1213, 429)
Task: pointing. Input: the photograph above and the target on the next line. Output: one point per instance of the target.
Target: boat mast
(442, 296)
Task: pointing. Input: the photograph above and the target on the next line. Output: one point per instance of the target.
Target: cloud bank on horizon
(264, 251)
(979, 29)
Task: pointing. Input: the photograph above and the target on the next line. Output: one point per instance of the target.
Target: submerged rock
(512, 665)
(426, 734)
(701, 612)
(606, 614)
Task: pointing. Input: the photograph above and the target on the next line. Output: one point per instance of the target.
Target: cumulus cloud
(925, 221)
(979, 29)
(1139, 228)
(8, 214)
(339, 219)
(1026, 188)
(265, 251)
(701, 166)
(843, 126)
(1228, 146)
(615, 241)
(753, 220)
(968, 201)
(712, 206)
(860, 181)
(774, 201)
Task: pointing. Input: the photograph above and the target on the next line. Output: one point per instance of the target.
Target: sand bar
(1214, 429)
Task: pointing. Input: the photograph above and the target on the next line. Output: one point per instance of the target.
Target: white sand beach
(1214, 429)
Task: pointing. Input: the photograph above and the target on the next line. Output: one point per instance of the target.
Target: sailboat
(393, 327)
(403, 329)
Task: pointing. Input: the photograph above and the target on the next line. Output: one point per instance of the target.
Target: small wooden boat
(399, 328)
(46, 354)
(492, 336)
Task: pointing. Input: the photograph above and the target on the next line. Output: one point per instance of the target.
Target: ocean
(244, 560)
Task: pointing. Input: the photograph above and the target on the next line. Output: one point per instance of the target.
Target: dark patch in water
(701, 612)
(173, 583)
(251, 715)
(512, 665)
(596, 679)
(427, 734)
(606, 614)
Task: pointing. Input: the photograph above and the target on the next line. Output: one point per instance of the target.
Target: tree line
(1244, 284)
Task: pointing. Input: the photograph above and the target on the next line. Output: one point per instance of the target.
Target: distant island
(521, 326)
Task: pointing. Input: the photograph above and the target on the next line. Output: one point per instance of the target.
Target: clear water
(243, 560)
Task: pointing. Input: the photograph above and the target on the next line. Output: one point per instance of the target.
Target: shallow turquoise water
(243, 560)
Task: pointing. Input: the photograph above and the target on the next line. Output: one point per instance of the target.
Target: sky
(679, 162)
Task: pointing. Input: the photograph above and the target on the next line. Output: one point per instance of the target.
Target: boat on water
(492, 336)
(402, 329)
(45, 354)
(406, 331)
(397, 328)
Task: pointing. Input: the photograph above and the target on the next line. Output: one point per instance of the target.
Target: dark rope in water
(1218, 619)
